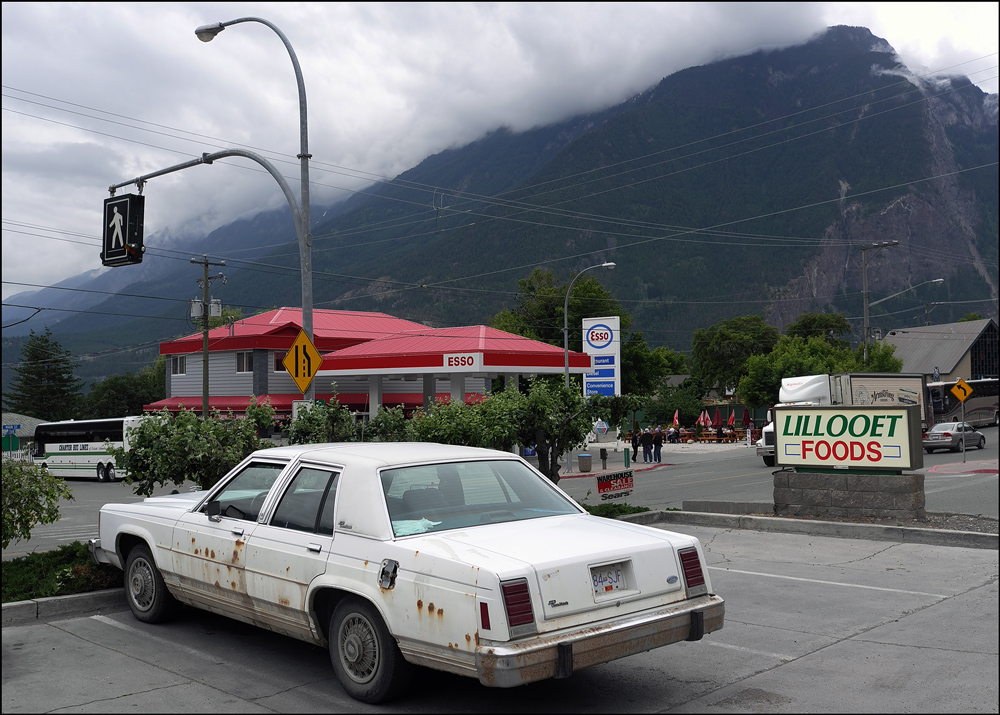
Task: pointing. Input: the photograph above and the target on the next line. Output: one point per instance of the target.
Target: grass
(61, 572)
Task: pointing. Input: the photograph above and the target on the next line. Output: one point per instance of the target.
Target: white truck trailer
(854, 388)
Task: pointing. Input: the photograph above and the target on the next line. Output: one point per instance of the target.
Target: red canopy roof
(277, 329)
(474, 348)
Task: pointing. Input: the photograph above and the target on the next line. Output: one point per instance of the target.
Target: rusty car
(401, 555)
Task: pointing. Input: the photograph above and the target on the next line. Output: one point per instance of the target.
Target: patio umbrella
(745, 421)
(677, 418)
(732, 419)
(717, 418)
(705, 420)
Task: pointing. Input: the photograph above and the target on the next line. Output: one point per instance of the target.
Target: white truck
(855, 388)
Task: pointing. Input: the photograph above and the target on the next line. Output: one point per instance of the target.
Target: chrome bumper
(98, 554)
(558, 655)
(765, 451)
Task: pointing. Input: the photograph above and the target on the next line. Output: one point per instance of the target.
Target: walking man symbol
(117, 237)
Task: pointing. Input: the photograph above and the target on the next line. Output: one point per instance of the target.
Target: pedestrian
(657, 444)
(635, 442)
(647, 445)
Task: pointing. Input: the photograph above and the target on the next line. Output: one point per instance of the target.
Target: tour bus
(79, 448)
(981, 407)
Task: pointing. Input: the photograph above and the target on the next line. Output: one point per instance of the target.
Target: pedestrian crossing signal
(122, 244)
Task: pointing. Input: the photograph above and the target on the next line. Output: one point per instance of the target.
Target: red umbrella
(705, 420)
(732, 419)
(745, 422)
(717, 418)
(677, 418)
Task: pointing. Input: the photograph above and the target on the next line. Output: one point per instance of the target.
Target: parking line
(827, 583)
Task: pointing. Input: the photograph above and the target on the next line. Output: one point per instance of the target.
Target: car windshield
(437, 497)
(945, 427)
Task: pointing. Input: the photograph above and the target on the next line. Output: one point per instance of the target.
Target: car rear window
(451, 495)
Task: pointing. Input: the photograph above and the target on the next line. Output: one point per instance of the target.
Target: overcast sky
(97, 94)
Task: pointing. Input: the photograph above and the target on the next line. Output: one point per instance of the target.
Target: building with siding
(966, 350)
(370, 361)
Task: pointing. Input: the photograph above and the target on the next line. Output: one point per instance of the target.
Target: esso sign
(599, 336)
(463, 361)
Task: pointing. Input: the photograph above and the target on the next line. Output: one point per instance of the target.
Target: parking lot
(813, 624)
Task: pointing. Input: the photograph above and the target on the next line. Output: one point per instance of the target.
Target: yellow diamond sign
(961, 390)
(302, 361)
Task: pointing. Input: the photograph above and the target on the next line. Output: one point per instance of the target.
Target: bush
(61, 572)
(30, 496)
(172, 449)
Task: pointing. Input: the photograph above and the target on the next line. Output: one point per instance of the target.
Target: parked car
(393, 555)
(953, 435)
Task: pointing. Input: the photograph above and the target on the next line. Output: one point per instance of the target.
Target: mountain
(748, 185)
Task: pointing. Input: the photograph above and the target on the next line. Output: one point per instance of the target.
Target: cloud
(96, 94)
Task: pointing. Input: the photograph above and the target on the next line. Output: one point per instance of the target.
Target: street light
(864, 284)
(608, 265)
(889, 297)
(206, 33)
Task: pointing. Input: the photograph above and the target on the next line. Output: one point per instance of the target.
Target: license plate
(609, 578)
(935, 436)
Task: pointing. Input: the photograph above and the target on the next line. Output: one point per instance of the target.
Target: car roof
(384, 454)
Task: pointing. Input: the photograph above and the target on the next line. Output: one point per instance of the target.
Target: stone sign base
(884, 496)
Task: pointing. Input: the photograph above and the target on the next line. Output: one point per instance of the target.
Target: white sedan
(394, 555)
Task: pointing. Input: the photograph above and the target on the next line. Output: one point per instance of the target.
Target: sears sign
(853, 438)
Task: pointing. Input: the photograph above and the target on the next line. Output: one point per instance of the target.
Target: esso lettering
(599, 336)
(460, 361)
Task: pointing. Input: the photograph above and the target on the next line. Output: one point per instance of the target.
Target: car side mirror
(214, 511)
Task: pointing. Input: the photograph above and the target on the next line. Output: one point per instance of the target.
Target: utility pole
(205, 283)
(864, 285)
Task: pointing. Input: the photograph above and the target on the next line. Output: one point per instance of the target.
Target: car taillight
(946, 434)
(694, 577)
(484, 615)
(517, 601)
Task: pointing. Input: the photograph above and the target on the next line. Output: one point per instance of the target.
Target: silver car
(954, 436)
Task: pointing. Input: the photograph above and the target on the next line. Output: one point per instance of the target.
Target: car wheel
(768, 461)
(145, 591)
(100, 473)
(959, 447)
(982, 443)
(366, 659)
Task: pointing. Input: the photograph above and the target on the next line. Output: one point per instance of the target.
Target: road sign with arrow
(961, 390)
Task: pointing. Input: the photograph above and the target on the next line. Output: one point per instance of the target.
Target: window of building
(244, 361)
(178, 364)
(279, 358)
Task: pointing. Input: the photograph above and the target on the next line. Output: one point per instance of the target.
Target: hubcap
(358, 647)
(140, 583)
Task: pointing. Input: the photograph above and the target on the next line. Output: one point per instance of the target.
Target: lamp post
(206, 33)
(928, 307)
(864, 285)
(608, 265)
(889, 297)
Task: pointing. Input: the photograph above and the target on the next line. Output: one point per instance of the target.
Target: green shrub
(30, 496)
(61, 572)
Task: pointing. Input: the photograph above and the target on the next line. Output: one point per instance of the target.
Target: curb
(840, 530)
(42, 610)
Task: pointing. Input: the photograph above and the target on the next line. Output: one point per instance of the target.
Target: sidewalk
(616, 459)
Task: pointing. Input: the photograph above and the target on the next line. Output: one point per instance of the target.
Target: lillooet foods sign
(868, 438)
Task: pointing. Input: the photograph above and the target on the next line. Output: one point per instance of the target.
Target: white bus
(79, 448)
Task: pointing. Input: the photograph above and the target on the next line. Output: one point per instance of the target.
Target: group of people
(651, 440)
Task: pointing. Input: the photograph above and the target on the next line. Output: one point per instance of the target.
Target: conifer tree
(44, 385)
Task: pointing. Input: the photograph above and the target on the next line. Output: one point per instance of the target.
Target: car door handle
(238, 530)
(316, 548)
